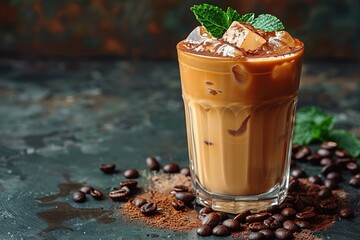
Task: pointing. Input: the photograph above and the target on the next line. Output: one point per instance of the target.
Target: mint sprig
(313, 124)
(216, 21)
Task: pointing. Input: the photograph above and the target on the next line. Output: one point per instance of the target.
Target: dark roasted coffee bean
(273, 209)
(341, 162)
(241, 217)
(131, 184)
(223, 216)
(107, 168)
(257, 217)
(341, 153)
(232, 224)
(302, 224)
(286, 205)
(293, 185)
(257, 236)
(328, 206)
(314, 159)
(302, 154)
(346, 213)
(325, 193)
(323, 152)
(96, 194)
(186, 197)
(120, 195)
(295, 148)
(334, 176)
(268, 233)
(86, 189)
(331, 146)
(185, 171)
(330, 183)
(306, 199)
(205, 210)
(171, 168)
(138, 201)
(279, 217)
(257, 226)
(131, 173)
(289, 199)
(326, 161)
(180, 188)
(290, 225)
(283, 234)
(272, 223)
(355, 182)
(288, 212)
(315, 179)
(357, 175)
(353, 168)
(152, 163)
(79, 197)
(221, 230)
(204, 231)
(148, 209)
(178, 204)
(329, 168)
(211, 219)
(306, 214)
(298, 173)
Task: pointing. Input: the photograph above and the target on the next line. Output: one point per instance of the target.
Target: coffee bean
(302, 224)
(326, 161)
(323, 152)
(325, 193)
(204, 231)
(357, 175)
(334, 176)
(131, 184)
(257, 217)
(178, 204)
(279, 217)
(286, 205)
(257, 226)
(298, 173)
(353, 168)
(232, 224)
(96, 194)
(79, 197)
(329, 168)
(341, 153)
(148, 209)
(283, 234)
(330, 183)
(315, 179)
(314, 159)
(152, 163)
(306, 214)
(171, 168)
(107, 168)
(306, 199)
(268, 233)
(341, 162)
(302, 154)
(290, 225)
(86, 189)
(138, 201)
(186, 197)
(346, 213)
(223, 216)
(289, 212)
(131, 173)
(272, 223)
(355, 182)
(273, 209)
(220, 230)
(328, 206)
(257, 236)
(205, 210)
(331, 146)
(185, 171)
(120, 195)
(241, 217)
(211, 219)
(295, 148)
(180, 188)
(293, 185)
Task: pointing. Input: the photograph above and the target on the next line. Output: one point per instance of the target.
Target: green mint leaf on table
(216, 21)
(346, 140)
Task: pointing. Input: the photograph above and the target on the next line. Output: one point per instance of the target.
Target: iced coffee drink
(240, 93)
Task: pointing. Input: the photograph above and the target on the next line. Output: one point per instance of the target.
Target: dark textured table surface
(60, 120)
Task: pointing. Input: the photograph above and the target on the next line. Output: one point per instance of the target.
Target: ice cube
(242, 37)
(281, 42)
(226, 50)
(198, 35)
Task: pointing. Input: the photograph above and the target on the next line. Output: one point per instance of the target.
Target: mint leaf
(214, 19)
(346, 140)
(232, 15)
(247, 18)
(267, 23)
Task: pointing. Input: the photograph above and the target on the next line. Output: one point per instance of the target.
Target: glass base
(237, 204)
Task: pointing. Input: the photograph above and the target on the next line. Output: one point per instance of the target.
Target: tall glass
(239, 120)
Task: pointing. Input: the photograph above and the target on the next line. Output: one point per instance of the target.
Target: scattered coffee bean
(290, 225)
(223, 216)
(79, 197)
(323, 152)
(341, 153)
(257, 217)
(148, 209)
(315, 179)
(107, 168)
(302, 224)
(185, 171)
(353, 168)
(138, 201)
(120, 195)
(96, 194)
(306, 214)
(241, 217)
(86, 189)
(220, 230)
(302, 153)
(330, 183)
(314, 159)
(329, 168)
(279, 217)
(257, 226)
(257, 236)
(283, 234)
(180, 188)
(131, 184)
(211, 219)
(186, 197)
(346, 213)
(328, 206)
(334, 176)
(286, 205)
(306, 199)
(298, 173)
(293, 185)
(272, 223)
(268, 233)
(326, 161)
(325, 193)
(204, 231)
(152, 163)
(178, 204)
(357, 175)
(232, 224)
(205, 210)
(273, 209)
(131, 173)
(331, 146)
(288, 212)
(171, 168)
(295, 148)
(355, 182)
(341, 162)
